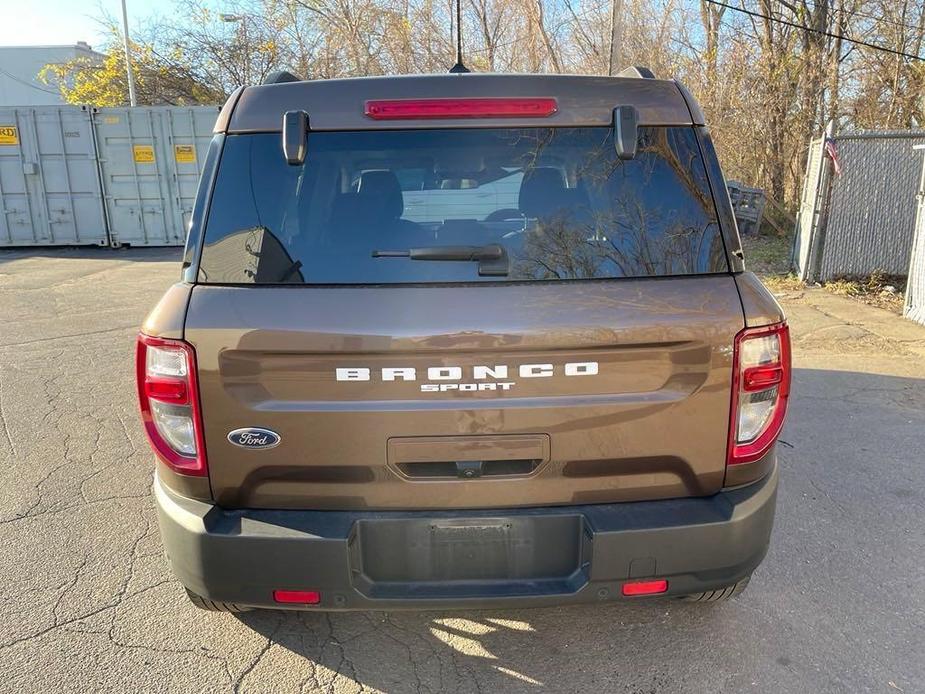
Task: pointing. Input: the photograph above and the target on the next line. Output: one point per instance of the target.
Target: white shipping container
(150, 161)
(49, 182)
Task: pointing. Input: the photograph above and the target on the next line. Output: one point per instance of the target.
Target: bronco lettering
(455, 373)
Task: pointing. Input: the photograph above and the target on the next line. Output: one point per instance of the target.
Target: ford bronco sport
(463, 341)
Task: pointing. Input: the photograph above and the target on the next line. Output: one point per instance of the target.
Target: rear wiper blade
(492, 259)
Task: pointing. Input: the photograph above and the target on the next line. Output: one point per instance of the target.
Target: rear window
(422, 206)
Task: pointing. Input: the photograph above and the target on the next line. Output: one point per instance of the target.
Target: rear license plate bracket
(415, 552)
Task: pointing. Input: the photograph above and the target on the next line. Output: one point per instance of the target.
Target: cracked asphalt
(87, 602)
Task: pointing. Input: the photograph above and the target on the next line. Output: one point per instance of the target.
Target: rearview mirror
(625, 131)
(295, 134)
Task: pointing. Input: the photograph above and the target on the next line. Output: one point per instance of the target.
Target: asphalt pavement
(87, 602)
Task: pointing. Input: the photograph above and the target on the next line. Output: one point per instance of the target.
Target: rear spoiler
(338, 104)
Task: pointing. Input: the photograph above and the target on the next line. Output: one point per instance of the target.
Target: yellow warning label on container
(9, 135)
(184, 154)
(144, 154)
(110, 120)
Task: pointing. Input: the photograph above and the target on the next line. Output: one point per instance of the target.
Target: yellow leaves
(84, 81)
(100, 83)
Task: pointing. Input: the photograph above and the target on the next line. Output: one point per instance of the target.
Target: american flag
(832, 151)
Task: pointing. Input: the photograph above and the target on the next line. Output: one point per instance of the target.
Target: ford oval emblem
(253, 437)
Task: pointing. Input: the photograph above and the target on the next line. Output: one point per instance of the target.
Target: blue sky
(69, 21)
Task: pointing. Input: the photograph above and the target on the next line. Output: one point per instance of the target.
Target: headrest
(379, 194)
(543, 192)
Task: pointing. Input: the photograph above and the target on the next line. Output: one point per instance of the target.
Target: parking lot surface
(87, 602)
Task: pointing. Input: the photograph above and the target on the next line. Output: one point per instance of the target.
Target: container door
(48, 178)
(133, 173)
(186, 134)
(150, 162)
(21, 219)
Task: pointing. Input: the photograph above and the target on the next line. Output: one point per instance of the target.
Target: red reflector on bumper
(645, 587)
(398, 109)
(298, 597)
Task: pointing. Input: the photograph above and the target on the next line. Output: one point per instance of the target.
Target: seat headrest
(543, 191)
(380, 194)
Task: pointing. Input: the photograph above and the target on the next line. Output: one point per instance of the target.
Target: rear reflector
(297, 597)
(645, 587)
(399, 109)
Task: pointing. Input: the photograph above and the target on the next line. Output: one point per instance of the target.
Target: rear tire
(720, 595)
(214, 605)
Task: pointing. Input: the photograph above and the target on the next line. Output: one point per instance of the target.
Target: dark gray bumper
(367, 560)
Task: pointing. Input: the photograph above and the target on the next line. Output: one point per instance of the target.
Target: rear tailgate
(616, 390)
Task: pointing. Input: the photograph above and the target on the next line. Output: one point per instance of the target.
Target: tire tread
(721, 594)
(215, 605)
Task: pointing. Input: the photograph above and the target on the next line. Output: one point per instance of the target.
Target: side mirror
(625, 131)
(295, 134)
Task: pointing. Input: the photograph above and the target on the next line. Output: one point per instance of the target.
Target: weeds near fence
(879, 289)
(768, 256)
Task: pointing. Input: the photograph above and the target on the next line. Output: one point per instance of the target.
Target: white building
(20, 66)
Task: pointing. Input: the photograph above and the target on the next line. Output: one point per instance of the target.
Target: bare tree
(767, 83)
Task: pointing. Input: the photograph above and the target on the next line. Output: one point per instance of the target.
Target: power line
(857, 13)
(821, 32)
(27, 84)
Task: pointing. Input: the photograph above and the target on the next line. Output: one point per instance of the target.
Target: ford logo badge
(252, 437)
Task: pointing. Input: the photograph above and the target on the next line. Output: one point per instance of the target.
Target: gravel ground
(87, 602)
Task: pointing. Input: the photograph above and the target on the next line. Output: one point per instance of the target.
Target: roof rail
(280, 76)
(637, 71)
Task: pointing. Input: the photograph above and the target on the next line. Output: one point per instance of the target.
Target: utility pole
(241, 21)
(616, 36)
(128, 57)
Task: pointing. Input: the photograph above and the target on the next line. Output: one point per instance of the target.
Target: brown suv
(463, 341)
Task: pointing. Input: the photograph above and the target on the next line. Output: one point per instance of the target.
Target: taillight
(514, 107)
(760, 388)
(169, 399)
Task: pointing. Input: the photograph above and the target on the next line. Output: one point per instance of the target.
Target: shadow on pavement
(851, 487)
(553, 649)
(170, 254)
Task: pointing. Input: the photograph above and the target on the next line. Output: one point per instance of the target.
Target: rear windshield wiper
(492, 259)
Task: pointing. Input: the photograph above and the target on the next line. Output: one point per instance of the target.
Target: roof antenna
(459, 67)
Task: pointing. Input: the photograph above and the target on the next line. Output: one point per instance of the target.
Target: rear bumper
(372, 560)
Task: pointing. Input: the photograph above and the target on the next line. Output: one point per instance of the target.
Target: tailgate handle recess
(468, 457)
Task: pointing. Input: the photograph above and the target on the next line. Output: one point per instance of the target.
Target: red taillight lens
(166, 390)
(169, 400)
(399, 109)
(297, 597)
(645, 587)
(761, 377)
(760, 389)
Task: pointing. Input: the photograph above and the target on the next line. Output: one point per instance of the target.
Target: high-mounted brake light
(513, 107)
(169, 400)
(760, 389)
